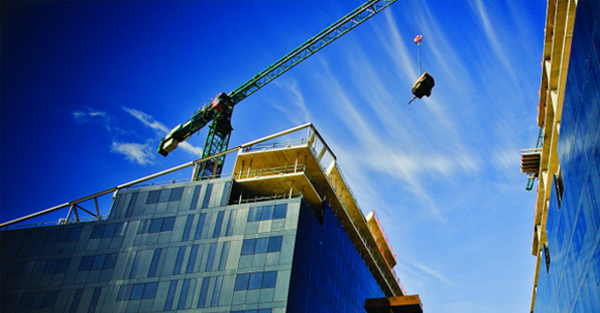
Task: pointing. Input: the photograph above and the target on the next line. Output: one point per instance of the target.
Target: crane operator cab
(422, 87)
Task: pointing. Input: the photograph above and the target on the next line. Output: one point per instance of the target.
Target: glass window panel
(15, 269)
(111, 260)
(137, 291)
(261, 245)
(74, 234)
(266, 213)
(124, 293)
(63, 234)
(241, 282)
(170, 295)
(192, 259)
(153, 197)
(51, 236)
(165, 194)
(97, 231)
(280, 211)
(95, 298)
(134, 266)
(184, 293)
(217, 292)
(142, 229)
(274, 244)
(154, 262)
(179, 261)
(37, 300)
(50, 299)
(200, 226)
(76, 301)
(109, 231)
(254, 214)
(264, 311)
(224, 254)
(206, 201)
(176, 194)
(195, 197)
(86, 263)
(225, 194)
(131, 204)
(269, 279)
(50, 266)
(168, 224)
(248, 246)
(203, 292)
(211, 257)
(255, 281)
(150, 290)
(155, 225)
(120, 230)
(62, 265)
(98, 262)
(25, 301)
(188, 228)
(231, 223)
(218, 224)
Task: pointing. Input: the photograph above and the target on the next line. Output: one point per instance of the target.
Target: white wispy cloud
(142, 154)
(161, 130)
(94, 116)
(148, 120)
(297, 100)
(491, 35)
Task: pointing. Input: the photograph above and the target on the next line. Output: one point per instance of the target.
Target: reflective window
(154, 262)
(255, 280)
(267, 213)
(218, 224)
(137, 291)
(95, 262)
(188, 228)
(171, 295)
(224, 254)
(217, 292)
(200, 226)
(153, 197)
(107, 230)
(192, 259)
(184, 293)
(211, 257)
(261, 245)
(56, 266)
(206, 201)
(203, 292)
(176, 194)
(179, 261)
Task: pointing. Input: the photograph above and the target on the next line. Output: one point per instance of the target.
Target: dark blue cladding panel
(328, 274)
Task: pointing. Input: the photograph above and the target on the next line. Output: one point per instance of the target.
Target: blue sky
(89, 88)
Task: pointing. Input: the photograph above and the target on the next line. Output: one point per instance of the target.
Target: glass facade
(183, 247)
(569, 275)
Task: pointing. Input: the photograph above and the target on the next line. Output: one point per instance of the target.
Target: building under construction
(566, 161)
(282, 233)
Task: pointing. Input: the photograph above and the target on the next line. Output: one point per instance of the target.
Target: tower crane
(219, 110)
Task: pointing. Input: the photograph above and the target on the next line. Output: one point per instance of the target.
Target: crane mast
(219, 110)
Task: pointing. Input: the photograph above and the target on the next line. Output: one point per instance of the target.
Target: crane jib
(313, 45)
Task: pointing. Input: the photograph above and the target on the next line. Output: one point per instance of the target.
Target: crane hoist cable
(425, 83)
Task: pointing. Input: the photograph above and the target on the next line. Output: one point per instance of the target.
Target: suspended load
(423, 86)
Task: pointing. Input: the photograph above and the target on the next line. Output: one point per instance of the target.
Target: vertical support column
(296, 164)
(97, 209)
